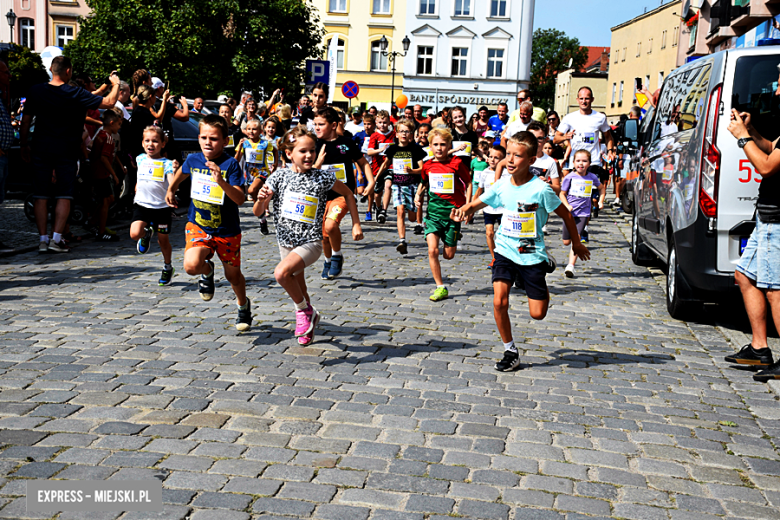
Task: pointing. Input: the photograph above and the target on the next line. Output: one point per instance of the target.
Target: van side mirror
(631, 130)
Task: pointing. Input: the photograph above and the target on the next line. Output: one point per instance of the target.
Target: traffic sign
(350, 89)
(317, 71)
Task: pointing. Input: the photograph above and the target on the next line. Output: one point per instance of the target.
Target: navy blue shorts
(492, 219)
(533, 278)
(54, 177)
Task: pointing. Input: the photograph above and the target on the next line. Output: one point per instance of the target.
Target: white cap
(157, 83)
(222, 99)
(431, 112)
(490, 133)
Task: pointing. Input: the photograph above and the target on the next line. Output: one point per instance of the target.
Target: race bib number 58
(300, 207)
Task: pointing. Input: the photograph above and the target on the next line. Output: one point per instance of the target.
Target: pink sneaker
(304, 321)
(308, 339)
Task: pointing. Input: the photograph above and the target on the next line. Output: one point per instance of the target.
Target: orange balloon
(401, 101)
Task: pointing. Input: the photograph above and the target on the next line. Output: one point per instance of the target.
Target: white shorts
(309, 252)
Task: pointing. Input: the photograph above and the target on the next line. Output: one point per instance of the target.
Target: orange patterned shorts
(228, 249)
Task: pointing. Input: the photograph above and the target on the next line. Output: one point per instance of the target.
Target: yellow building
(359, 25)
(568, 84)
(646, 48)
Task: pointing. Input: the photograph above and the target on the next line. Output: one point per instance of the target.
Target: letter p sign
(317, 71)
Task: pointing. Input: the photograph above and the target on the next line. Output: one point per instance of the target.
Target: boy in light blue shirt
(521, 256)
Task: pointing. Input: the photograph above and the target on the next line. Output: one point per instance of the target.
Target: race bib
(588, 137)
(383, 147)
(399, 166)
(205, 189)
(581, 188)
(428, 153)
(150, 170)
(340, 171)
(254, 156)
(466, 152)
(230, 142)
(364, 149)
(668, 174)
(519, 225)
(300, 207)
(443, 183)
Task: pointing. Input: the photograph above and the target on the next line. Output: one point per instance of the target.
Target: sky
(589, 21)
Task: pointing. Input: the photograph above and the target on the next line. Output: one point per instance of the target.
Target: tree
(200, 47)
(26, 70)
(550, 54)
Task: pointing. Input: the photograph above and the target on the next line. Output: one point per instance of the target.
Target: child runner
(337, 152)
(521, 256)
(102, 158)
(361, 141)
(576, 192)
(213, 227)
(448, 180)
(150, 212)
(492, 215)
(421, 136)
(299, 194)
(406, 161)
(380, 140)
(253, 149)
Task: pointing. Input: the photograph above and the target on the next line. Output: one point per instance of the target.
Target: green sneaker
(439, 294)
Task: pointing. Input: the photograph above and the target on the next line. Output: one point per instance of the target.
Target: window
(649, 46)
(424, 60)
(498, 9)
(381, 6)
(647, 82)
(752, 92)
(638, 49)
(462, 7)
(683, 101)
(495, 67)
(27, 33)
(614, 93)
(64, 35)
(620, 98)
(428, 7)
(692, 37)
(340, 47)
(625, 53)
(459, 61)
(378, 61)
(663, 40)
(337, 6)
(617, 55)
(660, 79)
(675, 35)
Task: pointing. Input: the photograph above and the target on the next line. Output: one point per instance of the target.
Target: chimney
(604, 61)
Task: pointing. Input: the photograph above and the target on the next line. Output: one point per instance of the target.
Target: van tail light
(710, 158)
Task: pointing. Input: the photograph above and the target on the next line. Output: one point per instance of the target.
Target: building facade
(358, 26)
(715, 25)
(468, 52)
(43, 23)
(645, 47)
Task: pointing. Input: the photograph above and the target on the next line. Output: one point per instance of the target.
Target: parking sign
(317, 71)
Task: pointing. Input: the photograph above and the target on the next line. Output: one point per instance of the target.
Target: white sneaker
(569, 271)
(43, 247)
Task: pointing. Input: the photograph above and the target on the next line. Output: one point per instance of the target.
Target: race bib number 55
(205, 189)
(443, 183)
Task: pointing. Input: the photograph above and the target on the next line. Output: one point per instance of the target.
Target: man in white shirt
(124, 96)
(585, 129)
(355, 125)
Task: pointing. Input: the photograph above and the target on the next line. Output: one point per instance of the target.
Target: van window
(755, 84)
(682, 101)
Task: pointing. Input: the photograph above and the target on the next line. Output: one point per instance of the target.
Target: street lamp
(11, 17)
(392, 55)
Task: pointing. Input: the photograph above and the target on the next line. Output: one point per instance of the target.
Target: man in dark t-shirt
(60, 111)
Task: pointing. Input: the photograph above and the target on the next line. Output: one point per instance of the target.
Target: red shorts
(335, 209)
(228, 249)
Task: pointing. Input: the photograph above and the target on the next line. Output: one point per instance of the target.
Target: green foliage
(26, 70)
(200, 47)
(550, 54)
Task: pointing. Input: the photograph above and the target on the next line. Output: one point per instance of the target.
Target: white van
(694, 199)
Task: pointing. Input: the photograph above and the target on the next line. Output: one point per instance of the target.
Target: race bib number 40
(300, 207)
(150, 170)
(205, 189)
(519, 225)
(340, 171)
(443, 183)
(581, 188)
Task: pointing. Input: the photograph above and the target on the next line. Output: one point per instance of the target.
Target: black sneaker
(206, 284)
(166, 276)
(264, 227)
(509, 362)
(750, 356)
(144, 242)
(244, 320)
(771, 372)
(382, 217)
(418, 229)
(401, 247)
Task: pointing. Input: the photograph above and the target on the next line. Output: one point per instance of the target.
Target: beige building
(646, 48)
(359, 25)
(570, 82)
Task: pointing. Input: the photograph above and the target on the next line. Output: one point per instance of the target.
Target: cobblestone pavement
(395, 412)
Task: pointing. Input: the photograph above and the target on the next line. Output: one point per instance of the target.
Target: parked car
(695, 193)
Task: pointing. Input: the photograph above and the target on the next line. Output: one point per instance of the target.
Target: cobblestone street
(395, 412)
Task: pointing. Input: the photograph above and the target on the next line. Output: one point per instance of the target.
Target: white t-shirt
(544, 167)
(151, 186)
(125, 113)
(352, 128)
(486, 181)
(586, 133)
(515, 127)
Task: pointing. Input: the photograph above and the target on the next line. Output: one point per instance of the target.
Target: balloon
(401, 101)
